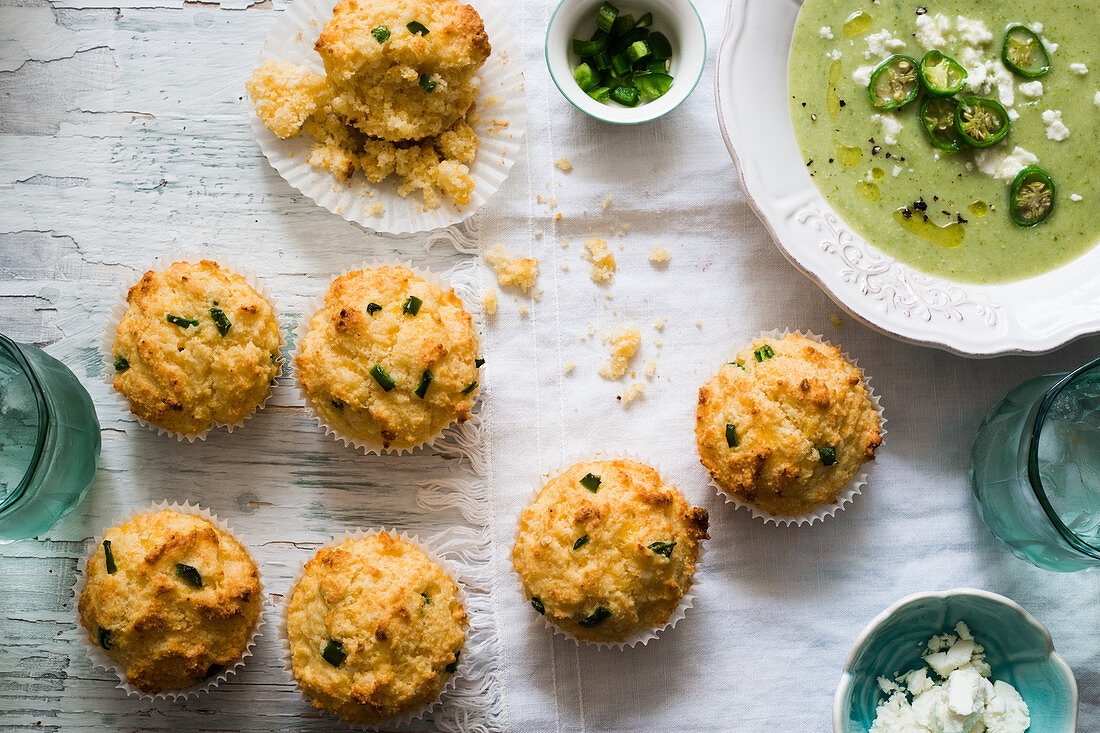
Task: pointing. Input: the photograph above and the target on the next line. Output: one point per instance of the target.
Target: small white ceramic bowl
(677, 19)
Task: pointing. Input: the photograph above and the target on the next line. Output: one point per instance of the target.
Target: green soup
(874, 166)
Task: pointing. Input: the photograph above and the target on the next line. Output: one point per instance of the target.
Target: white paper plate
(292, 38)
(1026, 317)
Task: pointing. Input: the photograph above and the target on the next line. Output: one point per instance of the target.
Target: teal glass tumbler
(49, 441)
(1035, 470)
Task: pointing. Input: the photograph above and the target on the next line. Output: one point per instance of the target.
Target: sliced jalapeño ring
(1032, 198)
(894, 83)
(937, 119)
(1024, 53)
(941, 76)
(981, 122)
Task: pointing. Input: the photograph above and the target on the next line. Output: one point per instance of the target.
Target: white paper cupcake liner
(99, 658)
(644, 636)
(315, 304)
(452, 570)
(854, 487)
(501, 106)
(118, 310)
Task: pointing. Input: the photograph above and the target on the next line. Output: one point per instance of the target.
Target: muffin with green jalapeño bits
(607, 551)
(197, 347)
(375, 629)
(390, 359)
(172, 598)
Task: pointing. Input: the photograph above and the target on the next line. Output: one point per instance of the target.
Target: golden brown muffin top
(375, 628)
(183, 366)
(382, 368)
(170, 597)
(608, 549)
(786, 425)
(415, 83)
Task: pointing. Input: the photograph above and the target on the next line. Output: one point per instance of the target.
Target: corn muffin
(197, 347)
(786, 425)
(375, 629)
(390, 359)
(170, 597)
(396, 99)
(607, 549)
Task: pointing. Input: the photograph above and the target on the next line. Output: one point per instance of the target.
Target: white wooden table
(123, 135)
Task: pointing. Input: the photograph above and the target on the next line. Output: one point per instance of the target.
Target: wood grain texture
(125, 136)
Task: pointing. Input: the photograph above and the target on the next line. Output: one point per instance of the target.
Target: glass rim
(43, 420)
(1036, 480)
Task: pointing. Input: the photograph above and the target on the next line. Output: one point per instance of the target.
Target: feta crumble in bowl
(925, 634)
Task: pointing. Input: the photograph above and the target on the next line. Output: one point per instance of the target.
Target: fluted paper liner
(501, 106)
(854, 487)
(317, 303)
(99, 658)
(119, 308)
(643, 636)
(449, 568)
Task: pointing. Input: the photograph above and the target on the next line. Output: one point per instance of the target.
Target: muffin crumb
(603, 262)
(518, 271)
(622, 345)
(632, 392)
(659, 255)
(489, 300)
(564, 165)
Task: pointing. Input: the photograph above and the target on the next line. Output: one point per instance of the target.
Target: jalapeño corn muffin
(375, 629)
(397, 96)
(786, 425)
(390, 359)
(607, 549)
(197, 347)
(170, 597)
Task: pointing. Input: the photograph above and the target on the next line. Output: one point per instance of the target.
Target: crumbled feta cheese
(835, 54)
(862, 77)
(891, 127)
(897, 171)
(973, 32)
(1056, 130)
(992, 162)
(1033, 89)
(945, 662)
(931, 30)
(882, 44)
(1079, 69)
(1013, 115)
(826, 32)
(1006, 84)
(1076, 197)
(1096, 99)
(977, 72)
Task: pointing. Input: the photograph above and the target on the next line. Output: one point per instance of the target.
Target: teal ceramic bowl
(1018, 648)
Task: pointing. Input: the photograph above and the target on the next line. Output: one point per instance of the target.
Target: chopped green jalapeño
(189, 575)
(221, 320)
(581, 542)
(373, 308)
(597, 617)
(109, 558)
(385, 381)
(104, 637)
(181, 322)
(591, 482)
(411, 306)
(894, 83)
(941, 76)
(428, 84)
(381, 33)
(1024, 53)
(417, 28)
(981, 123)
(537, 604)
(453, 665)
(1032, 197)
(828, 455)
(664, 549)
(732, 439)
(334, 653)
(764, 353)
(425, 380)
(470, 387)
(121, 364)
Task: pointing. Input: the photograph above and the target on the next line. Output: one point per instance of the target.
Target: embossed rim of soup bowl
(1031, 316)
(1012, 610)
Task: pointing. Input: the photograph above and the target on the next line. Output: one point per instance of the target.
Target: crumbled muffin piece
(659, 255)
(564, 165)
(459, 143)
(518, 271)
(489, 300)
(623, 344)
(285, 95)
(633, 392)
(603, 262)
